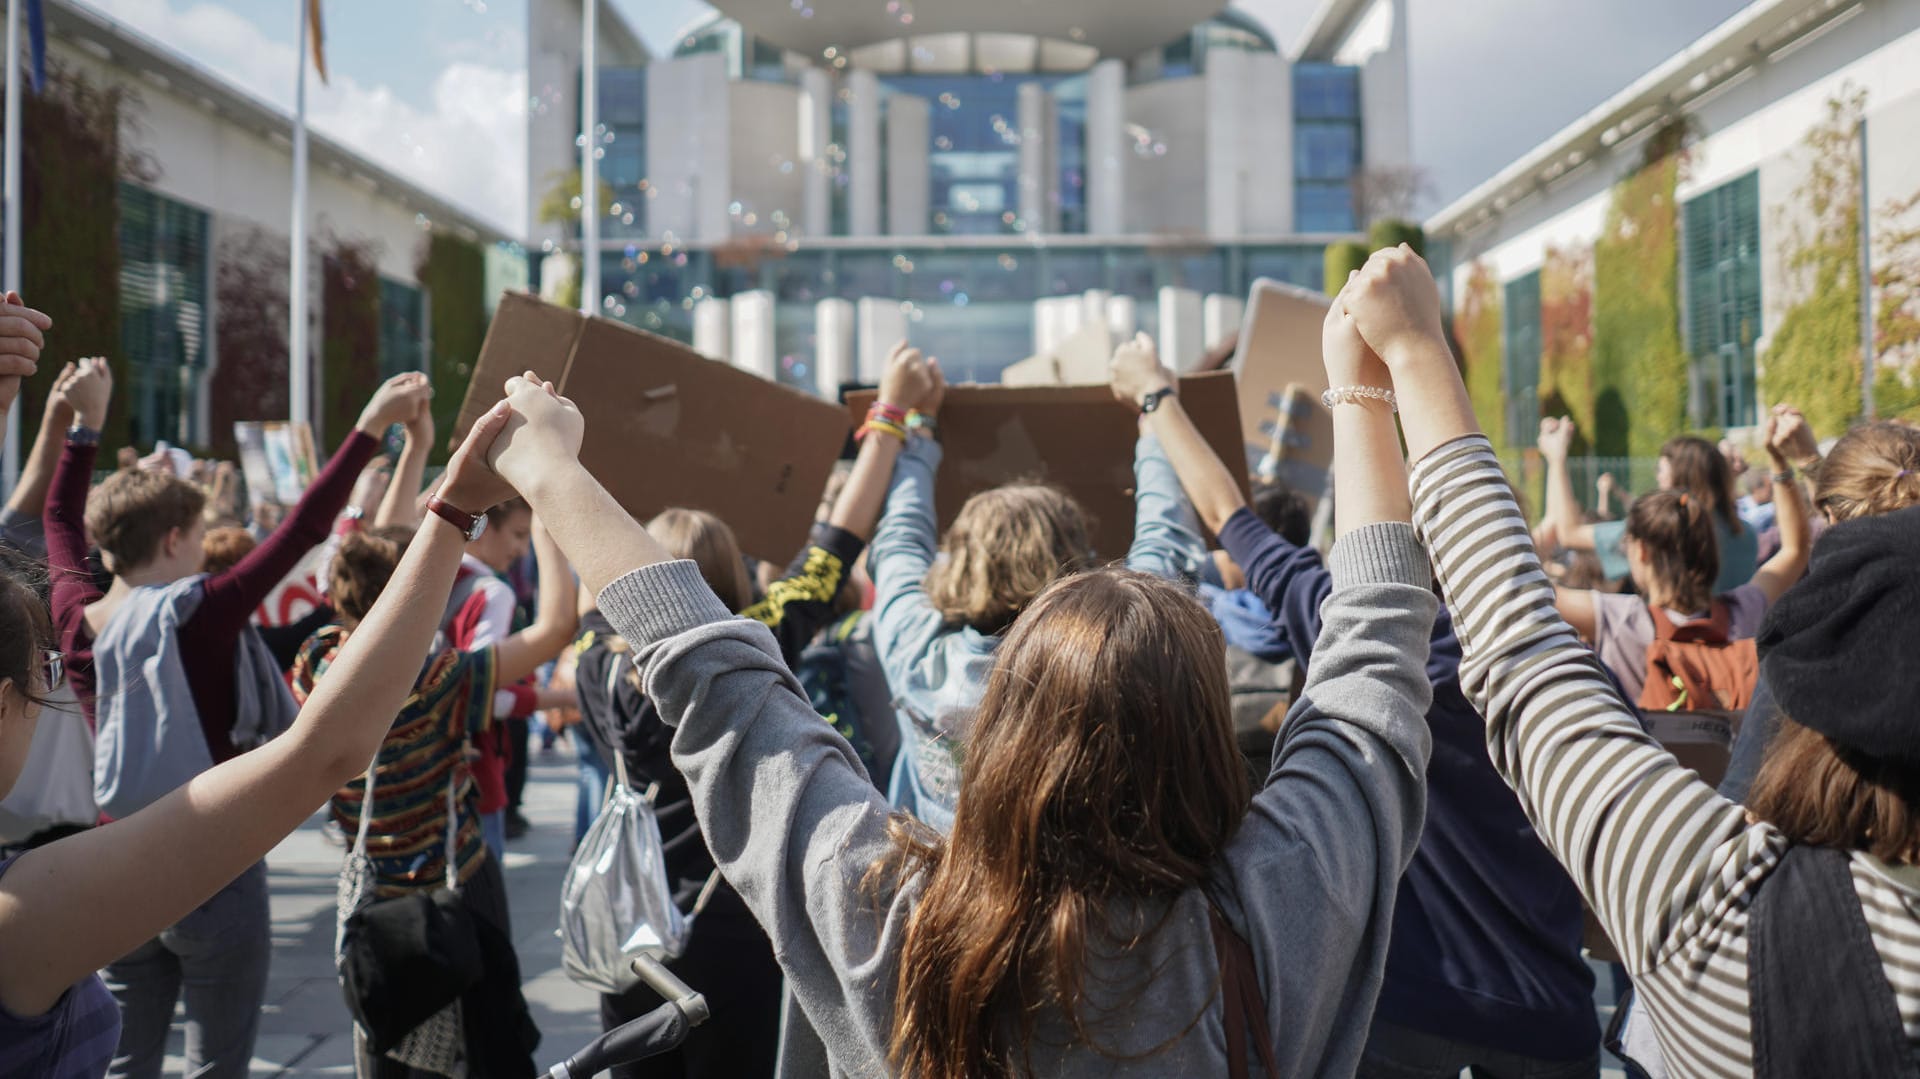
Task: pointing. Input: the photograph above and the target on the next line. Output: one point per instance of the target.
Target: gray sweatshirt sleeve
(1317, 863)
(782, 800)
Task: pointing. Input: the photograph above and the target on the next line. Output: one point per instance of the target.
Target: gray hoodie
(1308, 880)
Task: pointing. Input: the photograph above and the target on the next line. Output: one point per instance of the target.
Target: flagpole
(300, 381)
(10, 465)
(589, 161)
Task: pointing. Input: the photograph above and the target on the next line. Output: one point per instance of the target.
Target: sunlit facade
(937, 185)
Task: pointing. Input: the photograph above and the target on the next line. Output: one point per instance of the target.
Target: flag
(314, 30)
(37, 41)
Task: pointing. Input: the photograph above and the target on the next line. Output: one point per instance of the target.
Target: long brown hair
(1874, 469)
(1701, 471)
(1004, 547)
(1682, 551)
(1101, 766)
(1823, 794)
(706, 539)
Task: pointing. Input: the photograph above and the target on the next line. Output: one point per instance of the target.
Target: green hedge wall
(1338, 261)
(454, 273)
(350, 336)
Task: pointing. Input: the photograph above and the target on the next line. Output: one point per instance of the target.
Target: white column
(10, 467)
(1181, 334)
(1106, 148)
(833, 358)
(816, 131)
(299, 359)
(753, 333)
(909, 180)
(1050, 321)
(713, 328)
(1220, 318)
(1039, 122)
(1229, 128)
(863, 154)
(1122, 320)
(1093, 306)
(882, 324)
(590, 299)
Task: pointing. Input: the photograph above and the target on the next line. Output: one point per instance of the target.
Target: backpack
(1695, 667)
(840, 672)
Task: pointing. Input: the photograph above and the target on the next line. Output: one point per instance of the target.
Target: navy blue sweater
(1486, 928)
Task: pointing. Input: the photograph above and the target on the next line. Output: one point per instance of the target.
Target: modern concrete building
(1763, 171)
(951, 172)
(213, 198)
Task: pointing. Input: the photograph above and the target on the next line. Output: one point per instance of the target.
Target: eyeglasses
(55, 668)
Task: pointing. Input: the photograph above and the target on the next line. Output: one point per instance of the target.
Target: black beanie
(1841, 650)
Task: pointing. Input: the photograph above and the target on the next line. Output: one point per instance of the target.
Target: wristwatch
(1152, 401)
(82, 435)
(471, 525)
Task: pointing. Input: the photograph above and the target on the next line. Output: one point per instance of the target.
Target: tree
(1477, 325)
(1389, 191)
(1338, 261)
(1393, 231)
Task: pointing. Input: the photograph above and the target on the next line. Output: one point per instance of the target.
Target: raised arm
(401, 504)
(554, 620)
(1563, 511)
(73, 906)
(231, 597)
(29, 499)
(1209, 486)
(1786, 431)
(1642, 837)
(1166, 533)
(89, 388)
(909, 383)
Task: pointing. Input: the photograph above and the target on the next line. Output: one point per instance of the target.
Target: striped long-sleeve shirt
(1668, 865)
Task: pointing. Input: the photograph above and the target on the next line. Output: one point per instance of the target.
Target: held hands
(1790, 438)
(1136, 371)
(1396, 306)
(542, 431)
(22, 336)
(469, 484)
(908, 378)
(88, 390)
(398, 400)
(1556, 439)
(1348, 359)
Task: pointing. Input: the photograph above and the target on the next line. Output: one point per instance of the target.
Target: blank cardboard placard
(667, 426)
(1077, 437)
(1279, 345)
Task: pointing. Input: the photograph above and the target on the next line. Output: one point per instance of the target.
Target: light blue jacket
(939, 672)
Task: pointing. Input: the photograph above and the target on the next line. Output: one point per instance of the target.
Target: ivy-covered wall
(1813, 359)
(1896, 283)
(1477, 329)
(71, 165)
(250, 332)
(350, 335)
(454, 273)
(1639, 365)
(1566, 339)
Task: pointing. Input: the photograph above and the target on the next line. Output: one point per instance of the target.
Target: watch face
(479, 528)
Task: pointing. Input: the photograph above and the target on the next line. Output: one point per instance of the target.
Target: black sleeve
(800, 604)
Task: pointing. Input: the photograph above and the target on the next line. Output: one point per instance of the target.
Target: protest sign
(1076, 437)
(667, 426)
(1280, 346)
(1300, 449)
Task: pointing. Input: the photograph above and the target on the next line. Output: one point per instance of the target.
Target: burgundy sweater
(209, 639)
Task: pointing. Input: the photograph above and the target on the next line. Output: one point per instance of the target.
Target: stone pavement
(304, 1030)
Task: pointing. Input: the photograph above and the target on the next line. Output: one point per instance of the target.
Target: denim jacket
(938, 672)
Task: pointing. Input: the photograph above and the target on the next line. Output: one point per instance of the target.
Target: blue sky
(436, 89)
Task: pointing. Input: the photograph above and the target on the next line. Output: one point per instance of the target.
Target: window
(1326, 146)
(1322, 207)
(623, 158)
(403, 328)
(1521, 345)
(163, 312)
(1722, 259)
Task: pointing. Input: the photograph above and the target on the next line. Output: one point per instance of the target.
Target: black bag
(404, 959)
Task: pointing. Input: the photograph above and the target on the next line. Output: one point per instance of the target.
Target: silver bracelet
(1353, 395)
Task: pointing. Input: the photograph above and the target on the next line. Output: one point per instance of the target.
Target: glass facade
(1326, 146)
(971, 306)
(1721, 230)
(164, 282)
(1520, 382)
(403, 328)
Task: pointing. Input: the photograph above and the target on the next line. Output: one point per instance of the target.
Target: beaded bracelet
(1353, 395)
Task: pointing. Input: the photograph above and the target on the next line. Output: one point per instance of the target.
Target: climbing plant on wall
(454, 273)
(1813, 359)
(1639, 366)
(73, 158)
(1566, 337)
(1476, 328)
(250, 336)
(350, 335)
(1896, 318)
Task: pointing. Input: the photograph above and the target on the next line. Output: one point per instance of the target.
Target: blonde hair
(1006, 546)
(707, 540)
(1874, 469)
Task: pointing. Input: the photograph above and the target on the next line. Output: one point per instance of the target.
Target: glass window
(163, 311)
(1323, 207)
(1302, 265)
(868, 273)
(403, 328)
(1326, 92)
(1073, 271)
(1723, 310)
(1520, 315)
(1325, 151)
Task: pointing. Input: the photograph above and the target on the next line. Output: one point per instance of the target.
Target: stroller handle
(656, 1032)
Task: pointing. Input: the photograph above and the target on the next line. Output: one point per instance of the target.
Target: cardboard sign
(1300, 453)
(1077, 437)
(1280, 346)
(667, 426)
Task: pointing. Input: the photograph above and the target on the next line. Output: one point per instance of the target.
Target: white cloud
(467, 143)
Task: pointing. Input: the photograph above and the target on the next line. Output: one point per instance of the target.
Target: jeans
(1398, 1053)
(594, 775)
(215, 961)
(493, 829)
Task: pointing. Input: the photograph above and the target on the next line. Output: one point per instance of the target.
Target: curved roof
(810, 26)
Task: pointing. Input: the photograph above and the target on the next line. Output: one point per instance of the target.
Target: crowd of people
(989, 801)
